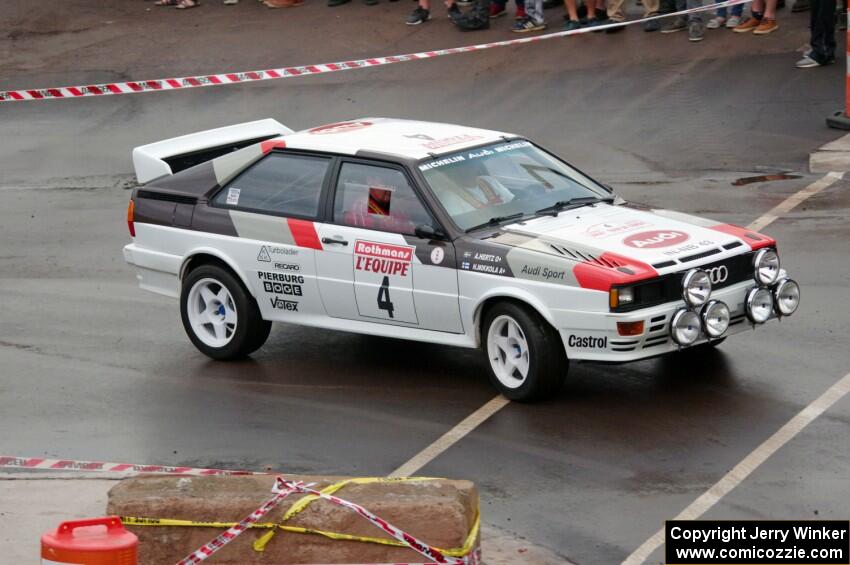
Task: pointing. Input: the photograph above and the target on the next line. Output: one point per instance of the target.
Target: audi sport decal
(656, 238)
(340, 127)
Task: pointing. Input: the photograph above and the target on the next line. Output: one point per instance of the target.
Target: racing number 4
(384, 302)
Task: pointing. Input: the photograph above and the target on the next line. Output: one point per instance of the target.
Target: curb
(833, 156)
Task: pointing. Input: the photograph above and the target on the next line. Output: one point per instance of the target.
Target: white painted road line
(749, 464)
(795, 200)
(451, 437)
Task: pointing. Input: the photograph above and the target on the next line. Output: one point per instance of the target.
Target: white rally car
(438, 233)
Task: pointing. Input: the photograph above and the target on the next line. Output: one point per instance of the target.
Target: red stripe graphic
(597, 276)
(304, 233)
(754, 239)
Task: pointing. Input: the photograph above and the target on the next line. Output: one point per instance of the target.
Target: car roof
(405, 138)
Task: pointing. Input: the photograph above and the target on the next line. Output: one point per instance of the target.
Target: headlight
(759, 303)
(715, 318)
(696, 287)
(786, 297)
(684, 326)
(621, 296)
(766, 264)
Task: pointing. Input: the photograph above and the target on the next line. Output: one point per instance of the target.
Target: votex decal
(383, 281)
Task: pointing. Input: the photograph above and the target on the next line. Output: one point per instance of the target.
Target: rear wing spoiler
(173, 155)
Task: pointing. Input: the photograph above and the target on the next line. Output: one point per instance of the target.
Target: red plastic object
(96, 541)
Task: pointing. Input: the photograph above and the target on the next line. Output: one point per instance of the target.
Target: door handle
(335, 241)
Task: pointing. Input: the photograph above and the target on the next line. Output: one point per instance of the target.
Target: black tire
(251, 330)
(547, 360)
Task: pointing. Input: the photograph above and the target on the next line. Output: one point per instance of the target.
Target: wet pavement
(94, 368)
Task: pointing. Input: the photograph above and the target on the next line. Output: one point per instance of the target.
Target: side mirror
(425, 231)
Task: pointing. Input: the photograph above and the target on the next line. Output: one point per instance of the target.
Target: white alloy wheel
(212, 312)
(508, 351)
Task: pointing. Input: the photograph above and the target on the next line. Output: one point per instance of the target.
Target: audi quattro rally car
(438, 233)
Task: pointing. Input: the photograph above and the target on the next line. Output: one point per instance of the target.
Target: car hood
(654, 237)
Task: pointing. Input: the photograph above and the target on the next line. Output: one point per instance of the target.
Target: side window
(377, 198)
(279, 184)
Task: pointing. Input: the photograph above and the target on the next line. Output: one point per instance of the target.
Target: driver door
(373, 267)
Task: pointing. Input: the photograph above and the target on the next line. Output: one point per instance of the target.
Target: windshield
(502, 181)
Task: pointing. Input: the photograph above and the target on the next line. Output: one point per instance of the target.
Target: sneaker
(716, 22)
(520, 13)
(733, 22)
(696, 30)
(592, 22)
(679, 24)
(497, 10)
(572, 25)
(454, 12)
(747, 26)
(419, 15)
(766, 26)
(652, 25)
(527, 24)
(807, 63)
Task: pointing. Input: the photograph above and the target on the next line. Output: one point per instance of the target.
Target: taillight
(131, 208)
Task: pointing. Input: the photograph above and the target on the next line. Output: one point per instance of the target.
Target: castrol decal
(656, 238)
(382, 258)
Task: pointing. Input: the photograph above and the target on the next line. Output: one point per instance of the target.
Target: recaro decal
(656, 238)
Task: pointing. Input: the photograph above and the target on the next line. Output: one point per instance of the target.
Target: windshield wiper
(495, 220)
(562, 205)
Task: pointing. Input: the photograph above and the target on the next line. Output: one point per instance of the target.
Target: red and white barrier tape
(209, 548)
(422, 548)
(178, 83)
(101, 466)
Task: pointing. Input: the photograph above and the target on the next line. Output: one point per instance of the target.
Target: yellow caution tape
(299, 506)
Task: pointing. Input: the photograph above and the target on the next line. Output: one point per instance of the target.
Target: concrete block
(833, 156)
(439, 512)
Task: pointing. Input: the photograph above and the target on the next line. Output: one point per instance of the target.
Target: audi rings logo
(718, 275)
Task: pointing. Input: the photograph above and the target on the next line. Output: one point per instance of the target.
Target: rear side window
(289, 185)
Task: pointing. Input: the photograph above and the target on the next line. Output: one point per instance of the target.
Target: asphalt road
(93, 368)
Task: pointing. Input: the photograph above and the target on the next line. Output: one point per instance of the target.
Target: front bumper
(593, 336)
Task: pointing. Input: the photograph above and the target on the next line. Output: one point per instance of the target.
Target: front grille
(668, 288)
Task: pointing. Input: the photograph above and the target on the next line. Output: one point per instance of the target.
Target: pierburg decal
(656, 238)
(282, 283)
